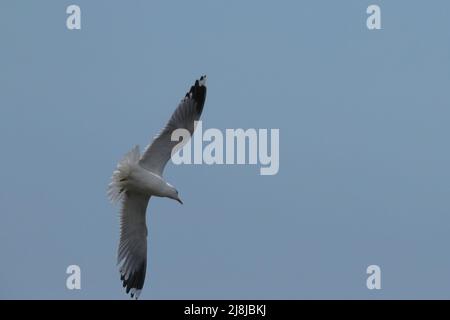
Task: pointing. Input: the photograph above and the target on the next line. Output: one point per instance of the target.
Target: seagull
(139, 177)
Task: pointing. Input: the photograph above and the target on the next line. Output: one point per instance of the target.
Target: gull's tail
(119, 178)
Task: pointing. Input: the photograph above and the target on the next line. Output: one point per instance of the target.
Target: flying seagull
(138, 177)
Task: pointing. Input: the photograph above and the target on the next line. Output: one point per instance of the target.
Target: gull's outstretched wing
(189, 110)
(132, 254)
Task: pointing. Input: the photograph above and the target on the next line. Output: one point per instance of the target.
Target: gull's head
(173, 193)
(202, 80)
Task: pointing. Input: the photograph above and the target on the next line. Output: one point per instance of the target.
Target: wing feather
(132, 253)
(158, 153)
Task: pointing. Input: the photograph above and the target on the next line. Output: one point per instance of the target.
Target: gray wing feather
(158, 153)
(132, 253)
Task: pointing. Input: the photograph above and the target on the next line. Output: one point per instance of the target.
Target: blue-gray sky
(364, 159)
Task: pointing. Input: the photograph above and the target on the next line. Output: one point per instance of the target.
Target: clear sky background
(364, 147)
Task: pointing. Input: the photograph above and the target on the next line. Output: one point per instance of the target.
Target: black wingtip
(198, 93)
(135, 281)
